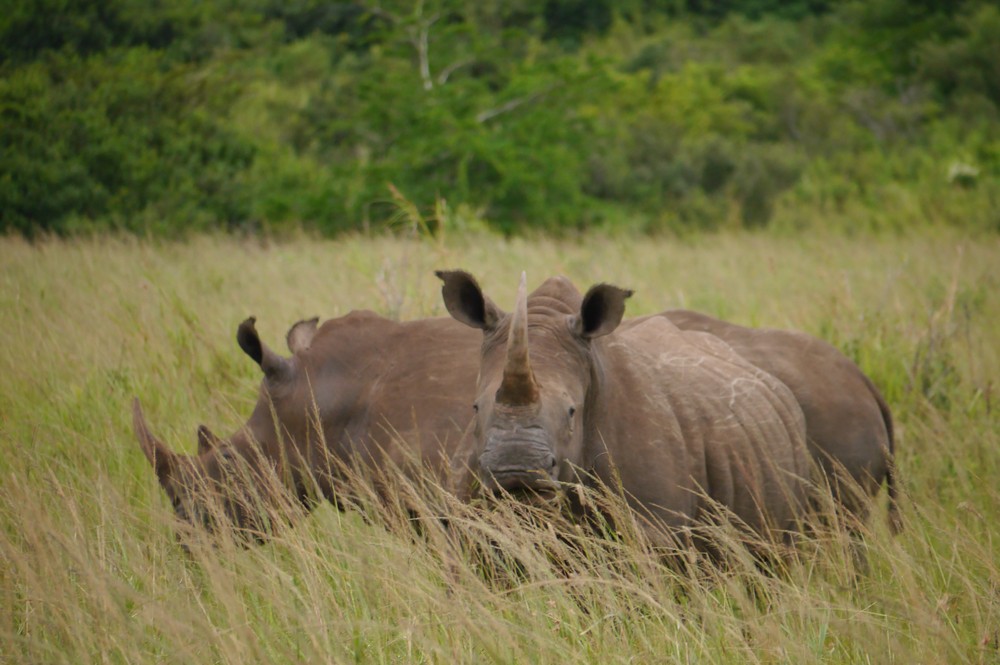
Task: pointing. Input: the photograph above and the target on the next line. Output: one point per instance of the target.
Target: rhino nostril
(552, 462)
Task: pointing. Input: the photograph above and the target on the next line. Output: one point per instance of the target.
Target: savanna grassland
(90, 570)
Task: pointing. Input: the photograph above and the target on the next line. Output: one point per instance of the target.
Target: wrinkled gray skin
(848, 424)
(682, 422)
(386, 392)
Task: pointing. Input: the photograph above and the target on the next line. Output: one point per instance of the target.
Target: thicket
(649, 115)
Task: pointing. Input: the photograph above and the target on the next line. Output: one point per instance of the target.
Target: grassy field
(90, 570)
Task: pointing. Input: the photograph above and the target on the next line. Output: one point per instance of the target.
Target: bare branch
(507, 107)
(418, 37)
(443, 75)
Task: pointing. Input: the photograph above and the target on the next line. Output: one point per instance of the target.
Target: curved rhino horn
(518, 386)
(207, 440)
(163, 460)
(272, 364)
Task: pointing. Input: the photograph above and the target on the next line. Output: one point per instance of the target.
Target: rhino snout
(521, 462)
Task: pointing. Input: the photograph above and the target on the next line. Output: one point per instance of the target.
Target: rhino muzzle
(520, 462)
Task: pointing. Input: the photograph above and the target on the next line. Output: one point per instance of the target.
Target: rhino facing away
(848, 423)
(677, 420)
(358, 389)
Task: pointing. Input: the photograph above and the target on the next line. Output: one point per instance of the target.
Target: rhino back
(846, 427)
(685, 416)
(388, 390)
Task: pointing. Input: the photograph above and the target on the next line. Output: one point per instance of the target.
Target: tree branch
(443, 75)
(418, 35)
(507, 107)
(418, 38)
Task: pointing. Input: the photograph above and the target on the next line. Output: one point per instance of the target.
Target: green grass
(90, 570)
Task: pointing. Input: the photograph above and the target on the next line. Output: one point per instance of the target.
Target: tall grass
(90, 570)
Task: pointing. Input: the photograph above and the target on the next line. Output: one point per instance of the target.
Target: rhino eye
(475, 408)
(572, 411)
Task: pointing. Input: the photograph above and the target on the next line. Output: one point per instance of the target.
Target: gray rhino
(358, 390)
(849, 428)
(680, 422)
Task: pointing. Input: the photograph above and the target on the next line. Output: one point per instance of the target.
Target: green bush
(658, 115)
(113, 136)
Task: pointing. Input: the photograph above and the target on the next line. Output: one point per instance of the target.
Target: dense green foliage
(646, 114)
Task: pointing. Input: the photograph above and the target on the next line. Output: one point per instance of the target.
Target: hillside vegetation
(91, 570)
(645, 115)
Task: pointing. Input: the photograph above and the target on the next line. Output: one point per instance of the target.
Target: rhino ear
(601, 311)
(300, 335)
(274, 366)
(465, 300)
(163, 460)
(207, 441)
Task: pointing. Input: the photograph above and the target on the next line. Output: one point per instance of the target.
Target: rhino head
(537, 378)
(237, 483)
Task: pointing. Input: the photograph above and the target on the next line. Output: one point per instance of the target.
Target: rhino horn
(518, 386)
(207, 440)
(273, 365)
(163, 460)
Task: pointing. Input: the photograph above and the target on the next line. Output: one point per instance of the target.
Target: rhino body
(848, 423)
(677, 420)
(360, 391)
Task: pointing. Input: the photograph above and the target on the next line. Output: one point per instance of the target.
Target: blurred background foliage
(270, 116)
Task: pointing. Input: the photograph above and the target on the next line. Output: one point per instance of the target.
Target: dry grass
(90, 570)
